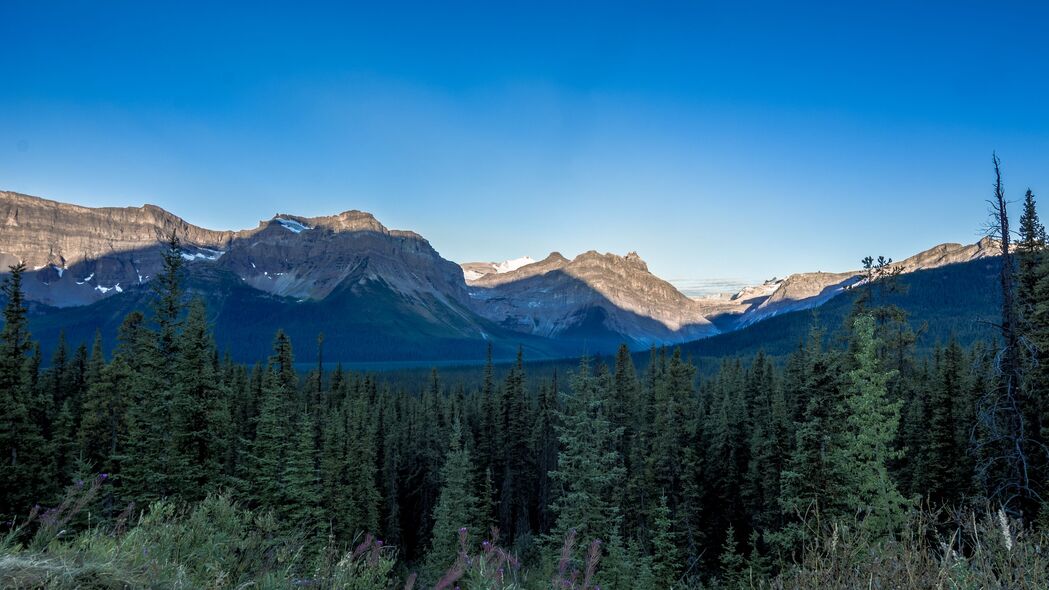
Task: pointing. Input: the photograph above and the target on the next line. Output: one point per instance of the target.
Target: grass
(217, 544)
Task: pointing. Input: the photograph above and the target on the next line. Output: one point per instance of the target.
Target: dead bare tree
(1005, 447)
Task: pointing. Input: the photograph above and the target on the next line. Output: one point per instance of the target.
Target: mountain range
(377, 294)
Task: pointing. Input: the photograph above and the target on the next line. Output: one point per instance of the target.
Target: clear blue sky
(727, 139)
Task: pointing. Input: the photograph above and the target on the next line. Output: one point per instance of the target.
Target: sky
(732, 140)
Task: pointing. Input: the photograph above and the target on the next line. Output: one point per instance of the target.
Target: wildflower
(1006, 533)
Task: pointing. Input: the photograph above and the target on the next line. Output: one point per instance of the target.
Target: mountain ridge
(79, 256)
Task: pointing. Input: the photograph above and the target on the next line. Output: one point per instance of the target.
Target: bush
(213, 544)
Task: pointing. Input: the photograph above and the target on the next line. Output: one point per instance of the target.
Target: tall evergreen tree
(866, 445)
(941, 480)
(21, 439)
(514, 505)
(1029, 254)
(300, 492)
(457, 506)
(200, 414)
(546, 449)
(589, 470)
(666, 556)
(270, 447)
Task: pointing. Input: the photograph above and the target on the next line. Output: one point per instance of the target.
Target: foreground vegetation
(861, 464)
(217, 544)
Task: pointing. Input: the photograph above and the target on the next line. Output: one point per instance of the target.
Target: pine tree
(589, 470)
(769, 442)
(1029, 254)
(168, 305)
(301, 490)
(364, 497)
(151, 469)
(514, 505)
(21, 439)
(546, 449)
(63, 411)
(270, 447)
(727, 451)
(866, 446)
(666, 556)
(1007, 440)
(199, 412)
(941, 481)
(731, 563)
(457, 506)
(333, 472)
(626, 567)
(808, 484)
(392, 464)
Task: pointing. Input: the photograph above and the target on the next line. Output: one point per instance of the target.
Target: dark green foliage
(200, 413)
(861, 458)
(589, 471)
(22, 440)
(657, 474)
(458, 508)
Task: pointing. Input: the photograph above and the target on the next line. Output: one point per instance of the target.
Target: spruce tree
(866, 445)
(362, 490)
(589, 470)
(300, 492)
(941, 481)
(666, 555)
(457, 506)
(731, 563)
(514, 505)
(199, 411)
(1029, 254)
(21, 439)
(270, 446)
(545, 431)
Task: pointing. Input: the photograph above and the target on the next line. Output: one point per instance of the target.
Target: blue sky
(729, 139)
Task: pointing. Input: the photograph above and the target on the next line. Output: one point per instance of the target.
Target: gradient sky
(729, 139)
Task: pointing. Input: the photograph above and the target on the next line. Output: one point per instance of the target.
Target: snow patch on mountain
(292, 225)
(201, 254)
(514, 264)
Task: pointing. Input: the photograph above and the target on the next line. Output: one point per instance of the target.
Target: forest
(869, 464)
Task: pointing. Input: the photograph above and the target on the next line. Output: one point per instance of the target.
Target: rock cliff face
(78, 255)
(307, 258)
(382, 282)
(587, 297)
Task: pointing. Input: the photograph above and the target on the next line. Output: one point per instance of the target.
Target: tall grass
(975, 551)
(218, 544)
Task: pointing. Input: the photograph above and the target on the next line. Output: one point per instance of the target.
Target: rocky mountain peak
(352, 220)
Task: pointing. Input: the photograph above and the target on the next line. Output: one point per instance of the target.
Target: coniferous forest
(864, 464)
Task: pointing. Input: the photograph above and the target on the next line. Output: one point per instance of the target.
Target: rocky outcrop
(78, 255)
(307, 258)
(473, 271)
(592, 293)
(809, 290)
